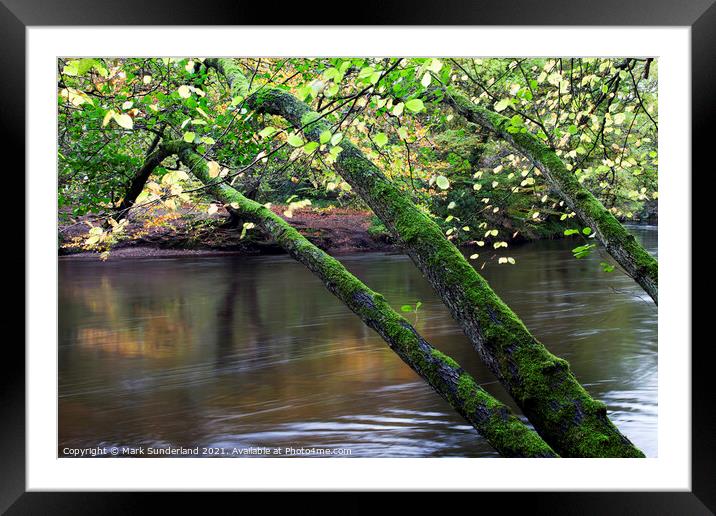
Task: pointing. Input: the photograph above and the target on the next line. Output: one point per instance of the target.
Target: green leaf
(415, 105)
(587, 231)
(295, 140)
(365, 72)
(398, 109)
(310, 147)
(268, 132)
(501, 105)
(582, 250)
(189, 136)
(325, 137)
(304, 91)
(332, 74)
(606, 267)
(380, 139)
(309, 118)
(442, 182)
(331, 90)
(71, 68)
(406, 308)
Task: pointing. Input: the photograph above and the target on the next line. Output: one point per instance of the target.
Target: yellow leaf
(214, 169)
(184, 92)
(202, 113)
(76, 97)
(107, 117)
(123, 120)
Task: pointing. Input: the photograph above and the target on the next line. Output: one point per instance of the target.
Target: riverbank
(190, 233)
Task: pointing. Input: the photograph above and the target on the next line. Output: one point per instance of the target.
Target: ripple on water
(236, 352)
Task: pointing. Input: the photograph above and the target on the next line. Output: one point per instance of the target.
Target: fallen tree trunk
(627, 252)
(504, 431)
(565, 415)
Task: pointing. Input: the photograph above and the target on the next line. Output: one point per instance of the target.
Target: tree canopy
(599, 115)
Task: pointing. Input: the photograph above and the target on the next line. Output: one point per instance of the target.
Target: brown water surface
(237, 352)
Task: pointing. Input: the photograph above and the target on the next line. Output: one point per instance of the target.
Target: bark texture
(627, 252)
(564, 414)
(140, 179)
(503, 430)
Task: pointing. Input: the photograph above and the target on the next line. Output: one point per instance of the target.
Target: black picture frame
(17, 15)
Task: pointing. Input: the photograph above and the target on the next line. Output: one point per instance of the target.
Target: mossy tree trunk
(503, 430)
(627, 252)
(565, 415)
(136, 185)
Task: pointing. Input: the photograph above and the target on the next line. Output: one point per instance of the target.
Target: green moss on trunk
(633, 258)
(504, 431)
(561, 410)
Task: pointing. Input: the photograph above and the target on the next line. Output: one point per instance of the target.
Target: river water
(235, 352)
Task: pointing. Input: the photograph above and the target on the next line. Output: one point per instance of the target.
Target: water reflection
(239, 352)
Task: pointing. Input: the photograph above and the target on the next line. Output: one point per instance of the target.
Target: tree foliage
(600, 115)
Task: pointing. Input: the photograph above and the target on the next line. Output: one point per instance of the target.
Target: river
(232, 352)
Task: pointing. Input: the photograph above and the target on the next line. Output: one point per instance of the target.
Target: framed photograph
(414, 253)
